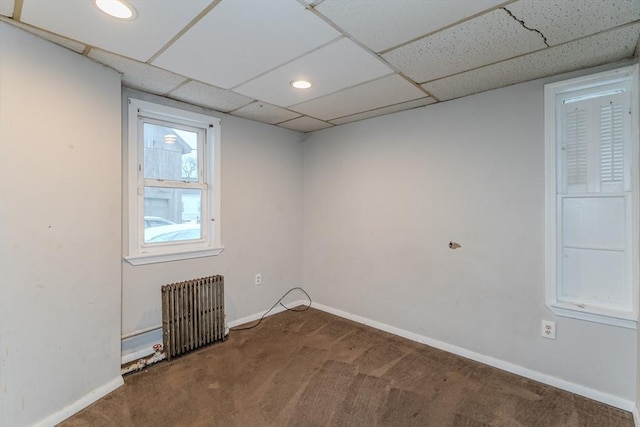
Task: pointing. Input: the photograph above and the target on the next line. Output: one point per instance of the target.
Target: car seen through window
(155, 221)
(172, 233)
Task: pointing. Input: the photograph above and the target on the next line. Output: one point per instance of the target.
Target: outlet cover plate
(548, 329)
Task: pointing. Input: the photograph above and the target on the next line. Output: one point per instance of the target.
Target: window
(592, 213)
(173, 179)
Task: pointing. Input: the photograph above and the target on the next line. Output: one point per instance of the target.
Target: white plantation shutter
(614, 139)
(611, 144)
(594, 135)
(576, 149)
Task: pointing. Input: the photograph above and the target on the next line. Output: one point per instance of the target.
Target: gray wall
(384, 197)
(60, 229)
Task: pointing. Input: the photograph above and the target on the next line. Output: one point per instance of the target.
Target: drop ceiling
(365, 58)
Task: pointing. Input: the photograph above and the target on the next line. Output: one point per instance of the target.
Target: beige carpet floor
(315, 369)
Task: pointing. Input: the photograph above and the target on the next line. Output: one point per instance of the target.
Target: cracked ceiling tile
(305, 124)
(139, 75)
(564, 20)
(488, 38)
(210, 97)
(265, 113)
(384, 110)
(525, 26)
(595, 50)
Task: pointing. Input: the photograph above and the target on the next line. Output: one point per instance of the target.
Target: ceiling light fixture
(170, 138)
(301, 84)
(117, 8)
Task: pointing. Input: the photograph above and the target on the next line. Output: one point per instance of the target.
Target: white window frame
(209, 245)
(555, 93)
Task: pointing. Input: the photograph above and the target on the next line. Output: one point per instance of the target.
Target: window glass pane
(172, 214)
(170, 153)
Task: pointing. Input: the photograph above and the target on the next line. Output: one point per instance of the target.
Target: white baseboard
(256, 316)
(80, 404)
(636, 416)
(590, 393)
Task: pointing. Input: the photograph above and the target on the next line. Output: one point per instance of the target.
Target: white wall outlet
(258, 279)
(549, 329)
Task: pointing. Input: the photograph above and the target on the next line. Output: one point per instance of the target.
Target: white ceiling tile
(239, 40)
(331, 68)
(565, 20)
(139, 75)
(265, 113)
(305, 124)
(384, 110)
(209, 96)
(256, 47)
(492, 37)
(381, 25)
(140, 38)
(6, 7)
(62, 41)
(588, 52)
(387, 90)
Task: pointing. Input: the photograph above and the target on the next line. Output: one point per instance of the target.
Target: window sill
(622, 319)
(152, 258)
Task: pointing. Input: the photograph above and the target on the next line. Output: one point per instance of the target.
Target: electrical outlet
(548, 329)
(258, 279)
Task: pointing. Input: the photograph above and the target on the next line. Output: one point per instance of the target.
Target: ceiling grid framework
(365, 58)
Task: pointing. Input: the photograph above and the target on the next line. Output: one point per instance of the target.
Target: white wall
(384, 197)
(60, 229)
(262, 185)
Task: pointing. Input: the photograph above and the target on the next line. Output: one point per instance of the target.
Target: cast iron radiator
(192, 314)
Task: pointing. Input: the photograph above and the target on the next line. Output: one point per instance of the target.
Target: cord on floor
(244, 328)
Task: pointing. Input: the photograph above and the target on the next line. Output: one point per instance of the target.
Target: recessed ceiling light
(301, 84)
(117, 8)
